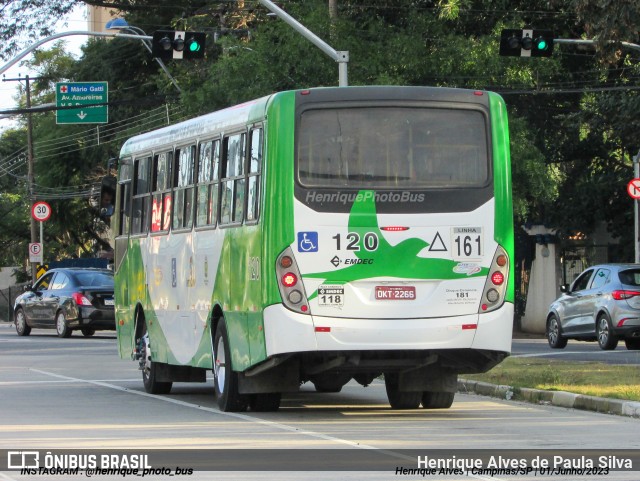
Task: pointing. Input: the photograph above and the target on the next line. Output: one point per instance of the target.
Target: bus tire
(150, 368)
(265, 402)
(400, 399)
(330, 381)
(437, 399)
(225, 379)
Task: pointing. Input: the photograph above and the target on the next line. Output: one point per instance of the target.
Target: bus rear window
(392, 148)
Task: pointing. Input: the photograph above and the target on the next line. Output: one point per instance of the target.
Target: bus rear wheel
(400, 399)
(437, 399)
(225, 379)
(148, 367)
(265, 402)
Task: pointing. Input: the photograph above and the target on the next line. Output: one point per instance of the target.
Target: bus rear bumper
(289, 332)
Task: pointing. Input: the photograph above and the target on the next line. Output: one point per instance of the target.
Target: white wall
(6, 277)
(544, 284)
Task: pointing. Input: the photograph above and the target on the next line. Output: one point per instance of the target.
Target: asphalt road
(575, 351)
(77, 394)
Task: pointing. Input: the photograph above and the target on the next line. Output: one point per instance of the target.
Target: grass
(590, 378)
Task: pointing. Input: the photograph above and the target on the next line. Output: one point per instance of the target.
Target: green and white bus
(323, 236)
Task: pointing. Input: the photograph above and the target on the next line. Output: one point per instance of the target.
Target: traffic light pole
(30, 49)
(342, 57)
(633, 46)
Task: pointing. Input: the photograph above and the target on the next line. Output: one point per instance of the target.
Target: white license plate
(108, 302)
(331, 296)
(395, 293)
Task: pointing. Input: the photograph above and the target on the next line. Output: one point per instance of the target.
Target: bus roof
(201, 126)
(255, 110)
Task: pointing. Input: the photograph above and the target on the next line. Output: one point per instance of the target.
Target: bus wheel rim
(220, 365)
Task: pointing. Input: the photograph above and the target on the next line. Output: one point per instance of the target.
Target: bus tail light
(291, 289)
(496, 284)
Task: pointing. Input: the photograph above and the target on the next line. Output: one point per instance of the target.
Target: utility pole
(30, 162)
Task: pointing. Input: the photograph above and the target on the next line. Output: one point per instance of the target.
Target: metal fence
(576, 259)
(7, 297)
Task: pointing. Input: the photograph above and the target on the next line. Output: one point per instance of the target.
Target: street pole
(342, 57)
(636, 210)
(30, 172)
(30, 162)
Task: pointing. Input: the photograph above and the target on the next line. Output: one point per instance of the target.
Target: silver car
(602, 304)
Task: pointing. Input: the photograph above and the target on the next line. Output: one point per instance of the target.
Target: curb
(563, 399)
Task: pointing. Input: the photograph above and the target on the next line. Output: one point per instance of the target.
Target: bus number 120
(369, 241)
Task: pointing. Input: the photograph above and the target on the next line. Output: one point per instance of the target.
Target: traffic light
(194, 45)
(526, 43)
(175, 44)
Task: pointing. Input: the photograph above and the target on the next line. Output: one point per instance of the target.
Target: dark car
(602, 304)
(66, 300)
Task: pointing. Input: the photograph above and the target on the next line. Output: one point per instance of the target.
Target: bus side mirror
(107, 196)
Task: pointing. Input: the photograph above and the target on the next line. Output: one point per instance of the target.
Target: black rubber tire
(330, 381)
(88, 332)
(265, 402)
(554, 333)
(606, 338)
(225, 379)
(400, 399)
(437, 399)
(149, 376)
(22, 328)
(61, 325)
(632, 344)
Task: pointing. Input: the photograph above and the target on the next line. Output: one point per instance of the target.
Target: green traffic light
(193, 45)
(541, 44)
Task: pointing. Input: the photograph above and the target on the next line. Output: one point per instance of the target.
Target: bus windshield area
(392, 148)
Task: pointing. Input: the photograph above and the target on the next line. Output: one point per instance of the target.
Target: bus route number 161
(467, 243)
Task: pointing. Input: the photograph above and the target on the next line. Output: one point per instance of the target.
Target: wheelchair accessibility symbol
(307, 242)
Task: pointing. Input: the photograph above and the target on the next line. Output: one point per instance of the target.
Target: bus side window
(255, 165)
(233, 181)
(141, 195)
(208, 166)
(183, 192)
(124, 192)
(161, 205)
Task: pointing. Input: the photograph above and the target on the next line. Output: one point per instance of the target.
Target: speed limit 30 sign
(41, 211)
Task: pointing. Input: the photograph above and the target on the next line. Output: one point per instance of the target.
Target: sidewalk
(556, 398)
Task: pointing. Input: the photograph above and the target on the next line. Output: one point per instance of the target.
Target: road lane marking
(243, 417)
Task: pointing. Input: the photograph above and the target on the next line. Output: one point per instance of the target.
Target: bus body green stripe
(503, 226)
(279, 186)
